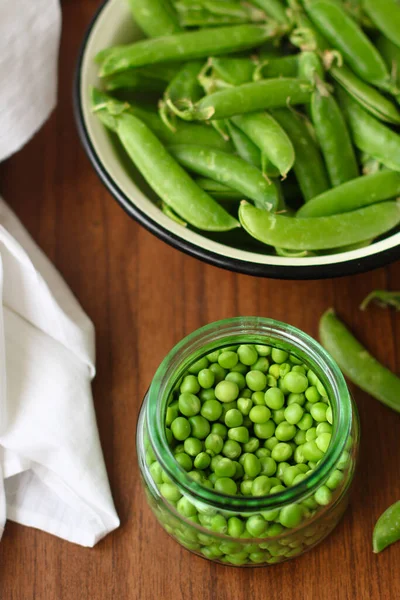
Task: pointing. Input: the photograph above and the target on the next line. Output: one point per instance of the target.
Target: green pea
(252, 445)
(214, 442)
(264, 431)
(263, 453)
(274, 530)
(323, 495)
(274, 398)
(189, 404)
(318, 411)
(193, 446)
(190, 385)
(231, 449)
(196, 476)
(262, 364)
(281, 469)
(211, 410)
(186, 508)
(271, 381)
(299, 399)
(268, 466)
(312, 378)
(263, 350)
(261, 486)
(276, 489)
(311, 451)
(225, 485)
(275, 481)
(300, 437)
(184, 460)
(290, 474)
(323, 441)
(285, 431)
(239, 434)
(343, 461)
(281, 452)
(240, 368)
(239, 472)
(256, 380)
(260, 414)
(247, 354)
(205, 395)
(251, 465)
(278, 416)
(256, 525)
(299, 455)
(225, 468)
(245, 405)
(305, 422)
(171, 414)
(199, 365)
(329, 416)
(299, 478)
(274, 371)
(294, 413)
(296, 383)
(271, 443)
(156, 472)
(200, 427)
(202, 461)
(311, 434)
(299, 369)
(227, 391)
(291, 516)
(228, 359)
(233, 418)
(219, 429)
(246, 393)
(235, 527)
(218, 371)
(206, 378)
(213, 356)
(245, 487)
(282, 387)
(258, 398)
(335, 479)
(169, 435)
(312, 394)
(225, 407)
(237, 378)
(180, 428)
(170, 492)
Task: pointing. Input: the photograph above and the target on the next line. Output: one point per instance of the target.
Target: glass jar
(214, 525)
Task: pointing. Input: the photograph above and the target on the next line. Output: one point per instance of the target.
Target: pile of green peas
(248, 421)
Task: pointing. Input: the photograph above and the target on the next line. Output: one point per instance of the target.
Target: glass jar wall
(246, 530)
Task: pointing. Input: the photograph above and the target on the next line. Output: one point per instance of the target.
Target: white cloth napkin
(52, 473)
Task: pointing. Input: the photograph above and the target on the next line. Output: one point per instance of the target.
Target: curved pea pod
(391, 55)
(167, 178)
(344, 34)
(370, 135)
(245, 148)
(382, 298)
(208, 13)
(387, 528)
(184, 133)
(230, 170)
(320, 233)
(333, 136)
(143, 79)
(249, 97)
(274, 9)
(155, 17)
(308, 166)
(385, 14)
(367, 96)
(354, 194)
(183, 90)
(233, 70)
(356, 362)
(219, 191)
(185, 46)
(269, 136)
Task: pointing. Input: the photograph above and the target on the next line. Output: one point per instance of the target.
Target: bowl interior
(114, 25)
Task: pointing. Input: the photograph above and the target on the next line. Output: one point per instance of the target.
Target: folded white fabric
(52, 473)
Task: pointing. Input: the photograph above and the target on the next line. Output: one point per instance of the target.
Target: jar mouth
(241, 330)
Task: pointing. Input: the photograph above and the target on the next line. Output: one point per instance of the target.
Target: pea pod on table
(387, 528)
(230, 170)
(356, 362)
(382, 298)
(190, 45)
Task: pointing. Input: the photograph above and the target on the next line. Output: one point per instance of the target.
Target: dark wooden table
(143, 297)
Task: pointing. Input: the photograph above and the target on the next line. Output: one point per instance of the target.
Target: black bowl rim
(350, 267)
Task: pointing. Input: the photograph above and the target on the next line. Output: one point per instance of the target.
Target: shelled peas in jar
(252, 423)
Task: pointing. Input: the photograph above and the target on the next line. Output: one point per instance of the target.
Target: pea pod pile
(281, 117)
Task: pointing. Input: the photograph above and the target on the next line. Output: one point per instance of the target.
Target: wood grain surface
(143, 297)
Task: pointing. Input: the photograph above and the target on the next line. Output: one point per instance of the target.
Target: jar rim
(229, 332)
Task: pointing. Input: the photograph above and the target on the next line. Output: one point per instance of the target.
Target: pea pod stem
(320, 233)
(387, 528)
(190, 45)
(356, 362)
(382, 298)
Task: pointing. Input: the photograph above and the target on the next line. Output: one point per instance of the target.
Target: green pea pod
(356, 362)
(274, 9)
(167, 210)
(155, 17)
(285, 66)
(367, 96)
(320, 233)
(391, 55)
(185, 46)
(354, 194)
(387, 528)
(185, 133)
(245, 148)
(235, 71)
(249, 97)
(309, 167)
(310, 66)
(268, 169)
(383, 298)
(219, 191)
(345, 35)
(370, 135)
(230, 170)
(167, 178)
(211, 14)
(184, 90)
(269, 136)
(386, 16)
(333, 136)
